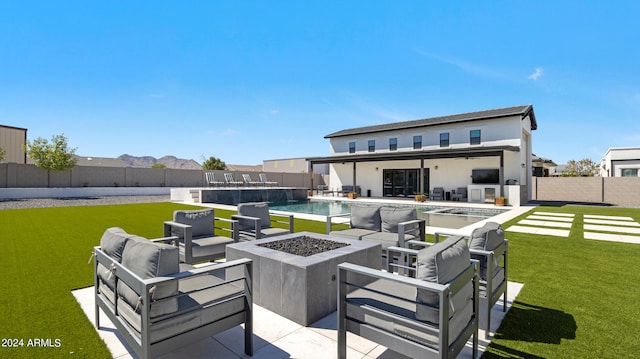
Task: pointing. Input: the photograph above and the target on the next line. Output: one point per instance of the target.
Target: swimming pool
(435, 216)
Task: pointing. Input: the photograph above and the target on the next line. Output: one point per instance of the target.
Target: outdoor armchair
(255, 221)
(196, 234)
(431, 316)
(488, 245)
(460, 194)
(437, 194)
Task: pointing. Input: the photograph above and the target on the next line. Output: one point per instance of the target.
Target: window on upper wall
(352, 147)
(629, 172)
(444, 139)
(417, 142)
(393, 144)
(372, 145)
(474, 137)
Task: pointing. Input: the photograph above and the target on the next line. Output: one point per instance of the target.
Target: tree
(214, 164)
(158, 165)
(582, 168)
(2, 153)
(55, 155)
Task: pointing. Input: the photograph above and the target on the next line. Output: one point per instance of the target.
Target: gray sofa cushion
(112, 244)
(365, 217)
(258, 210)
(201, 221)
(149, 260)
(487, 237)
(386, 312)
(113, 241)
(442, 263)
(391, 216)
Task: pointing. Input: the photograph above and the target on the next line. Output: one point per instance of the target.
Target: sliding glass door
(402, 182)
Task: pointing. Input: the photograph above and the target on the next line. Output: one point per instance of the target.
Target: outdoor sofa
(157, 304)
(389, 226)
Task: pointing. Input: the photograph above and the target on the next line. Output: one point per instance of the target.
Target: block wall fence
(13, 175)
(620, 191)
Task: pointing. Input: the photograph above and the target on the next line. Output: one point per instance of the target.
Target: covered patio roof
(416, 155)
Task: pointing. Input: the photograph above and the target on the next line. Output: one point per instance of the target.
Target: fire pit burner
(304, 246)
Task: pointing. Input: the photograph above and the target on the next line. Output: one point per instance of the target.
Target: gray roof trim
(416, 155)
(523, 111)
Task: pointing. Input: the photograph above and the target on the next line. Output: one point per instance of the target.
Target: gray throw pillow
(392, 216)
(201, 221)
(440, 263)
(487, 237)
(365, 217)
(258, 210)
(149, 260)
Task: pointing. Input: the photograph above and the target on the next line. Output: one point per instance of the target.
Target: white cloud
(464, 65)
(536, 74)
(274, 112)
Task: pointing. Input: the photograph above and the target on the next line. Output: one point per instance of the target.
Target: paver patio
(277, 337)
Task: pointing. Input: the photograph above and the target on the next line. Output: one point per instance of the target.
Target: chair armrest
(436, 235)
(234, 227)
(405, 260)
(415, 227)
(278, 219)
(420, 244)
(330, 219)
(170, 240)
(256, 222)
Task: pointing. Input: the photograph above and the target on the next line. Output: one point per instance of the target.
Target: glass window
(393, 144)
(444, 139)
(417, 142)
(352, 147)
(475, 137)
(629, 172)
(372, 145)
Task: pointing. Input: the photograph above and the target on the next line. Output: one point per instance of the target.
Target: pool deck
(511, 212)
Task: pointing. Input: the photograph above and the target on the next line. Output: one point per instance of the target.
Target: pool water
(434, 216)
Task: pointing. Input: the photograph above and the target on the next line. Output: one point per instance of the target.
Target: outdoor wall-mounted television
(485, 176)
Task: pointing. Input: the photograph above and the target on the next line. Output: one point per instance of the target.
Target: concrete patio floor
(277, 337)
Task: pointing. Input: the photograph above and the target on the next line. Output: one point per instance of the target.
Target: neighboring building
(621, 162)
(488, 152)
(557, 170)
(13, 140)
(293, 165)
(542, 166)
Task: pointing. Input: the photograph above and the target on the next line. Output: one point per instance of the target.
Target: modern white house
(621, 162)
(487, 152)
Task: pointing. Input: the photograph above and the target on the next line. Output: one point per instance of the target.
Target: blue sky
(247, 81)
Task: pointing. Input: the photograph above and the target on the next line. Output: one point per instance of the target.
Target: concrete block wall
(575, 189)
(622, 191)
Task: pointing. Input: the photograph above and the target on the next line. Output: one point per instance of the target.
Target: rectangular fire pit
(302, 289)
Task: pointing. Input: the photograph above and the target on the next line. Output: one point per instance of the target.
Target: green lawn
(580, 297)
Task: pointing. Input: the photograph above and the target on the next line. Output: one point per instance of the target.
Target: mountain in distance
(168, 161)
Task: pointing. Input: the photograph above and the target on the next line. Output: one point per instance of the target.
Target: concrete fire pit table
(302, 289)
